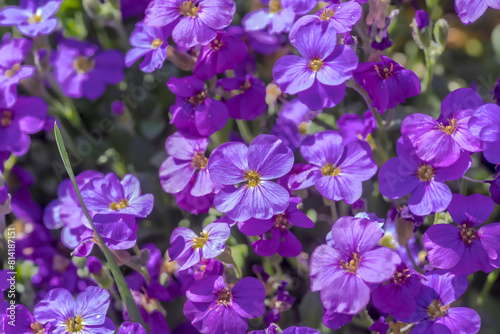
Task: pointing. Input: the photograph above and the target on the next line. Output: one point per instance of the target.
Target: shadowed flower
(250, 101)
(485, 125)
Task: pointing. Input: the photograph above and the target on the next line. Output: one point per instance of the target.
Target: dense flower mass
(249, 167)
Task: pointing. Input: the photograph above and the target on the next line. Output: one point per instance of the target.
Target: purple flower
(339, 17)
(250, 102)
(337, 170)
(274, 232)
(380, 326)
(408, 174)
(12, 72)
(213, 307)
(259, 41)
(251, 169)
(186, 161)
(351, 261)
(470, 10)
(131, 328)
(83, 71)
(273, 329)
(196, 21)
(422, 19)
(194, 112)
(485, 125)
(32, 17)
(496, 92)
(187, 248)
(495, 187)
(319, 76)
(441, 142)
(468, 248)
(352, 127)
(17, 121)
(194, 204)
(94, 265)
(292, 123)
(150, 43)
(24, 323)
(397, 297)
(335, 320)
(278, 16)
(387, 83)
(221, 54)
(434, 313)
(59, 309)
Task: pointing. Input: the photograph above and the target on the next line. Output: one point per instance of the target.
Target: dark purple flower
(186, 161)
(470, 10)
(434, 313)
(318, 76)
(250, 102)
(194, 112)
(352, 127)
(292, 123)
(387, 83)
(118, 107)
(221, 54)
(194, 204)
(278, 17)
(150, 43)
(88, 311)
(274, 233)
(441, 142)
(335, 320)
(496, 92)
(273, 329)
(12, 54)
(131, 328)
(337, 170)
(259, 41)
(351, 261)
(469, 248)
(495, 187)
(407, 174)
(485, 125)
(94, 265)
(213, 307)
(17, 121)
(24, 323)
(83, 71)
(251, 168)
(397, 297)
(422, 19)
(196, 21)
(32, 17)
(187, 248)
(380, 326)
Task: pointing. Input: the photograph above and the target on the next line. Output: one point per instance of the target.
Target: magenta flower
(186, 160)
(485, 125)
(387, 83)
(221, 54)
(187, 248)
(150, 43)
(32, 17)
(469, 248)
(196, 21)
(441, 142)
(351, 261)
(407, 174)
(17, 121)
(274, 233)
(213, 307)
(318, 76)
(12, 72)
(246, 172)
(59, 309)
(434, 313)
(352, 127)
(83, 71)
(292, 123)
(194, 112)
(336, 170)
(250, 102)
(470, 10)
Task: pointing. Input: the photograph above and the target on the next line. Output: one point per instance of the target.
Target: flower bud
(441, 31)
(422, 19)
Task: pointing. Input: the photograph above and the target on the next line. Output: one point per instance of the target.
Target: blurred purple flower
(24, 322)
(32, 17)
(250, 102)
(485, 125)
(352, 127)
(278, 17)
(422, 19)
(470, 10)
(131, 328)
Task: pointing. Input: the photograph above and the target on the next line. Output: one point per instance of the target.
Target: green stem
(492, 277)
(126, 295)
(463, 187)
(410, 255)
(244, 130)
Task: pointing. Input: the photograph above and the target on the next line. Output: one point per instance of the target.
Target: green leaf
(125, 294)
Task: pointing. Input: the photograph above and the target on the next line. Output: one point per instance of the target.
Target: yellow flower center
(224, 297)
(326, 14)
(436, 310)
(385, 72)
(351, 266)
(120, 205)
(330, 170)
(468, 234)
(37, 328)
(83, 64)
(252, 178)
(10, 73)
(302, 128)
(316, 65)
(281, 222)
(35, 18)
(199, 242)
(401, 276)
(156, 43)
(188, 8)
(425, 173)
(449, 129)
(74, 325)
(6, 118)
(216, 44)
(198, 98)
(274, 6)
(200, 161)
